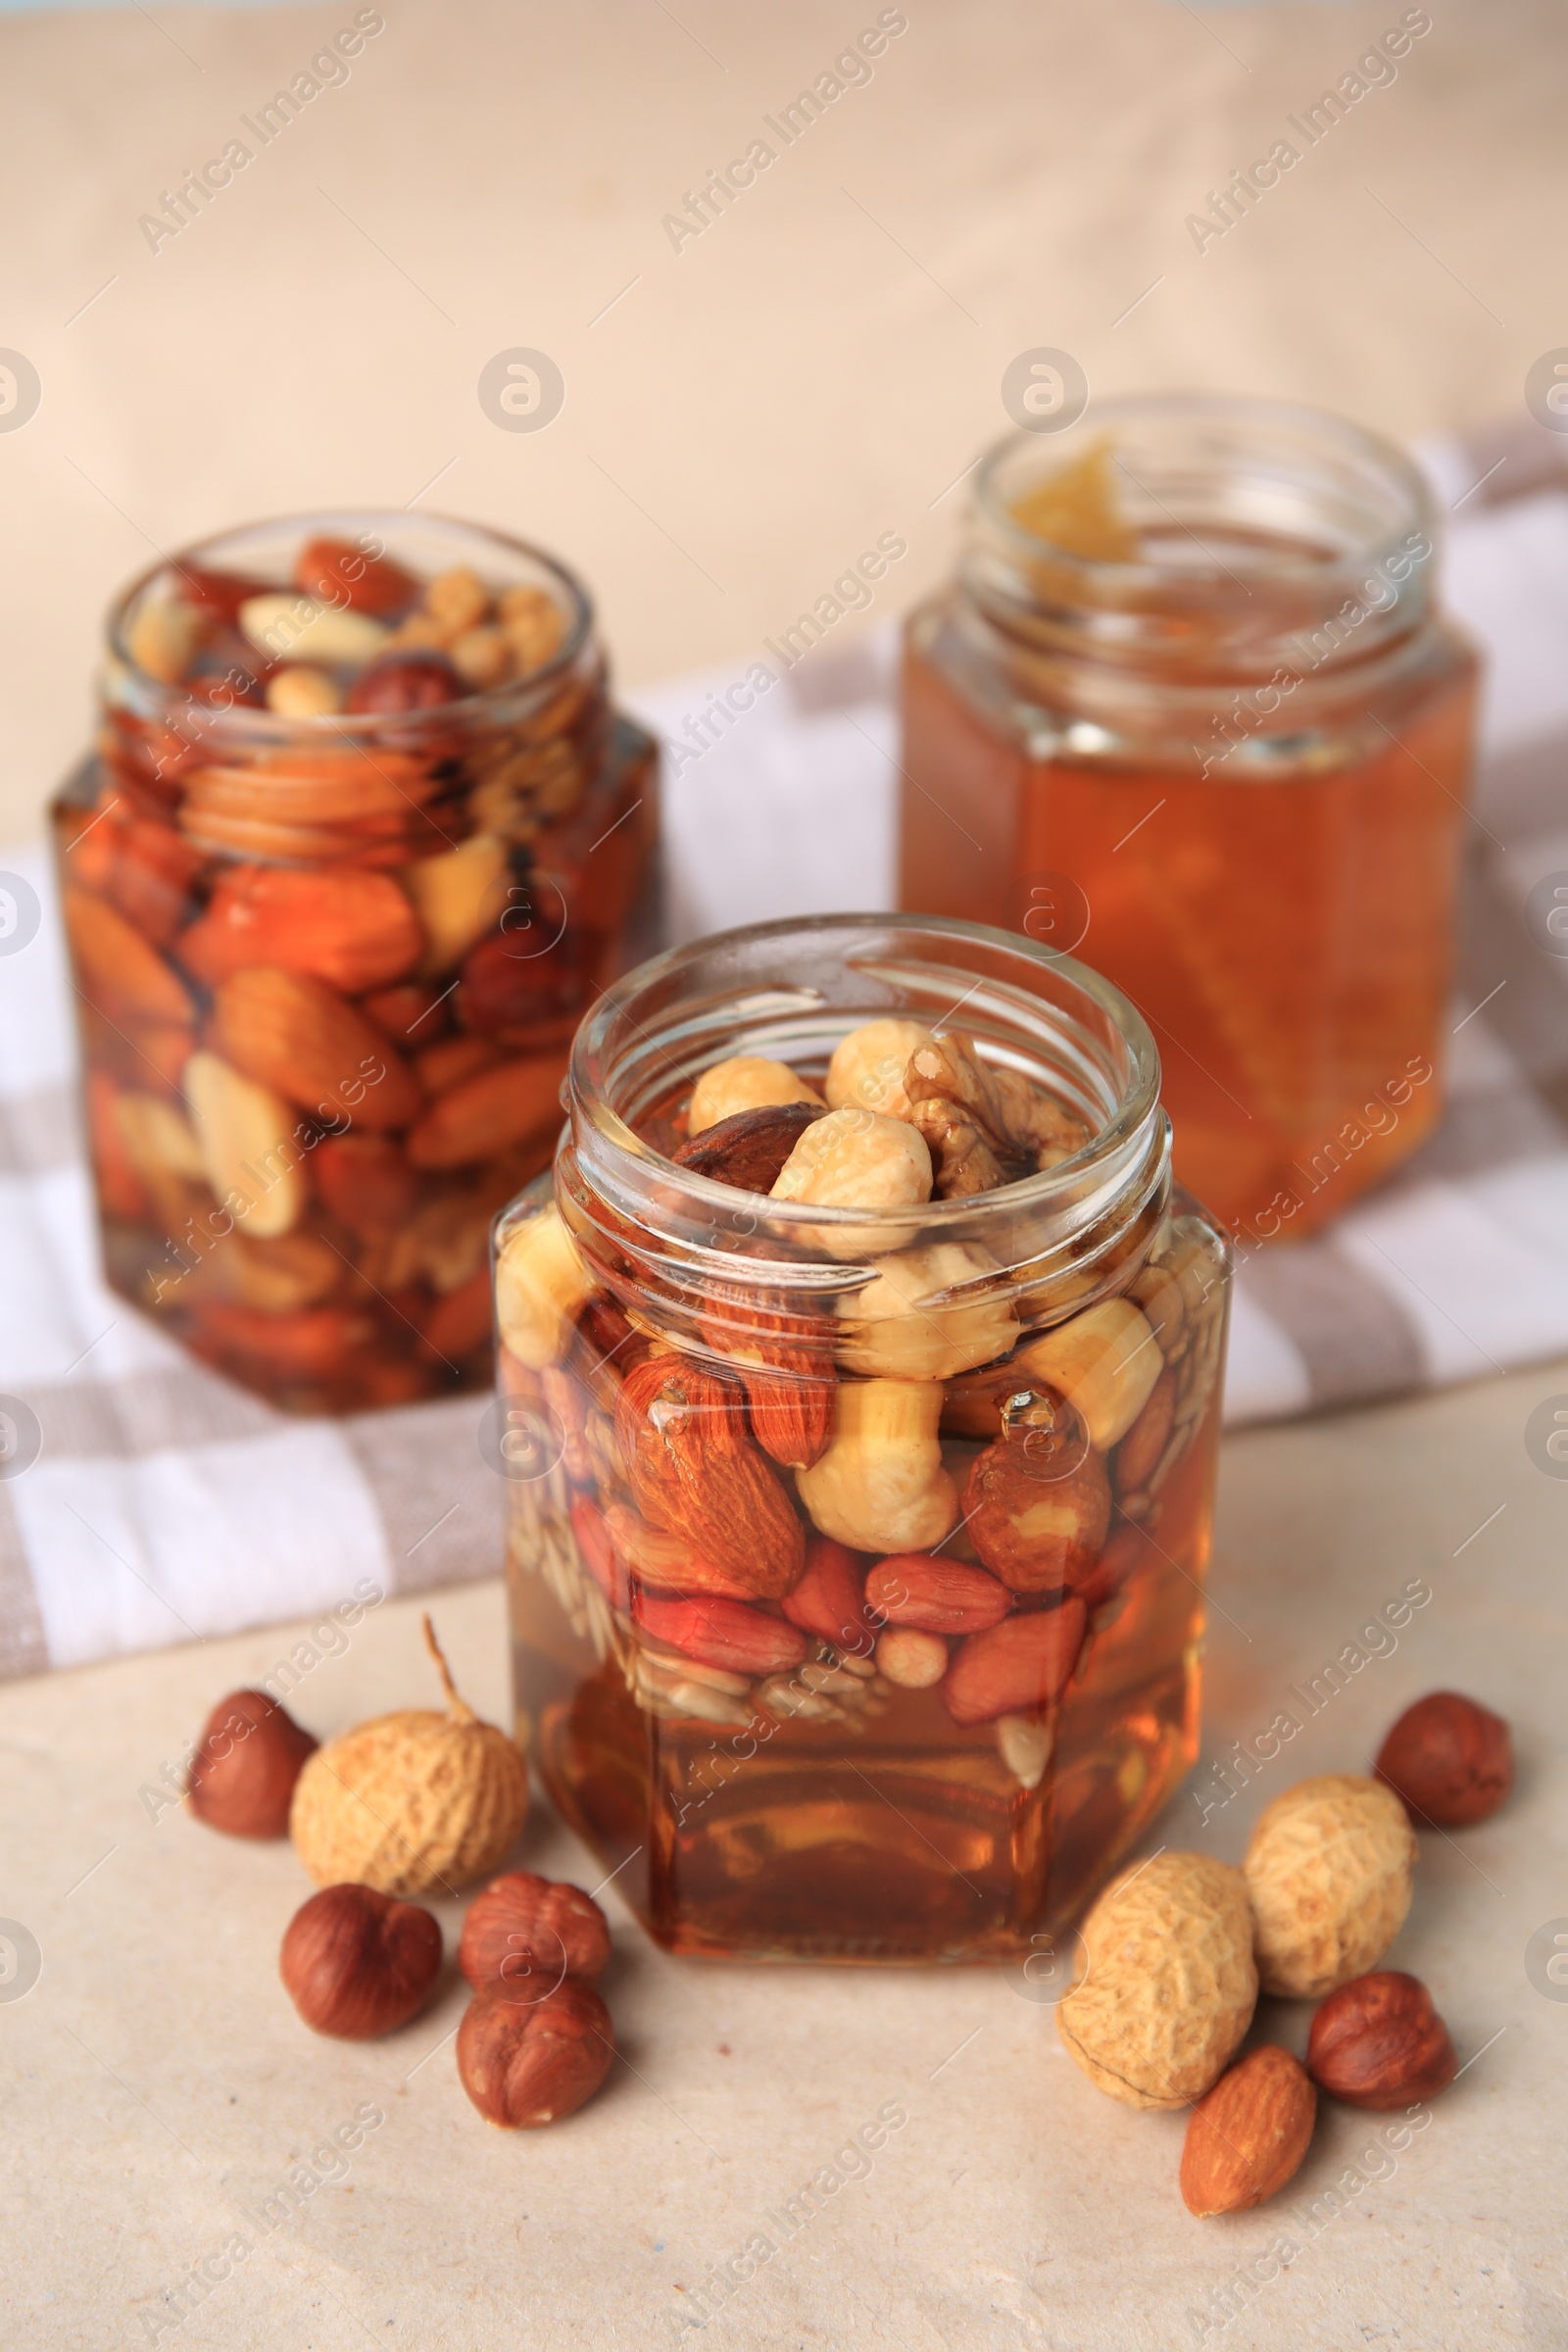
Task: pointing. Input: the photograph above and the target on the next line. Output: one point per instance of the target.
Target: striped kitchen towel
(144, 1500)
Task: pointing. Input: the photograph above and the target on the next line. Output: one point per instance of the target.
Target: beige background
(758, 407)
(746, 417)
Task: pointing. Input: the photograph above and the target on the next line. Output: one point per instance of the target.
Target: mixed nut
(910, 1503)
(413, 1803)
(1176, 1951)
(354, 849)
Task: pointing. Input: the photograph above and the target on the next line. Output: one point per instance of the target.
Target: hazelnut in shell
(532, 1932)
(246, 1763)
(526, 2062)
(356, 1963)
(412, 1802)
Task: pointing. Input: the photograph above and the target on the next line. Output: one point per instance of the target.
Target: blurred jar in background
(1191, 710)
(360, 838)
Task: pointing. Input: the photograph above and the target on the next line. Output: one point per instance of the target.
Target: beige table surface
(157, 2088)
(740, 420)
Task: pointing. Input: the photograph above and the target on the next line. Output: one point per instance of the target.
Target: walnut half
(983, 1126)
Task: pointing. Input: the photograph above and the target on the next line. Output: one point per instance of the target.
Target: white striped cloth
(165, 1504)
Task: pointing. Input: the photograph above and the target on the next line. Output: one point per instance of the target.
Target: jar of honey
(360, 838)
(859, 1398)
(1191, 708)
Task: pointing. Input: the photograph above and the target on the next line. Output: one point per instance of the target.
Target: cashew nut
(745, 1082)
(880, 1487)
(867, 1068)
(899, 1330)
(1105, 1361)
(541, 1286)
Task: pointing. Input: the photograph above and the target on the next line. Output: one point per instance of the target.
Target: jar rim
(349, 727)
(1363, 453)
(1124, 1159)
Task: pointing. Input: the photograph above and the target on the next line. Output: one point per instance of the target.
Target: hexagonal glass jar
(327, 965)
(855, 1561)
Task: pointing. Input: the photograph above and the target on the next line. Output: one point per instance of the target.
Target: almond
(366, 1182)
(460, 1319)
(346, 925)
(1247, 2136)
(784, 1361)
(694, 1470)
(116, 970)
(295, 1033)
(721, 1632)
(150, 876)
(1016, 1667)
(252, 1158)
(830, 1600)
(307, 1345)
(598, 1552)
(749, 1149)
(1379, 2043)
(939, 1595)
(447, 1063)
(482, 1114)
(667, 1562)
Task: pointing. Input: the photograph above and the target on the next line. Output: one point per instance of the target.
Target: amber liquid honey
(905, 1839)
(864, 1822)
(1287, 940)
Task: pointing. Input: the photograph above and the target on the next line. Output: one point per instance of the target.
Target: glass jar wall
(855, 1560)
(1189, 708)
(359, 836)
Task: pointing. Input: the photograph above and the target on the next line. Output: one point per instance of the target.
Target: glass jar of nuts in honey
(360, 838)
(1191, 710)
(859, 1397)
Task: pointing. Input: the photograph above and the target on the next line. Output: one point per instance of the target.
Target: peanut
(1329, 1872)
(1169, 1985)
(914, 1660)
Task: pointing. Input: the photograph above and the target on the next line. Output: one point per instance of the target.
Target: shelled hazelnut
(357, 1964)
(250, 1754)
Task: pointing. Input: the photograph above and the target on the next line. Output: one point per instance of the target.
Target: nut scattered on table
(1379, 2043)
(250, 1754)
(1247, 2136)
(1450, 1759)
(525, 1928)
(412, 1802)
(1328, 1868)
(1169, 1984)
(356, 1963)
(526, 2062)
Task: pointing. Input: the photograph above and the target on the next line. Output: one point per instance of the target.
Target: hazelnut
(249, 1757)
(355, 1964)
(531, 1932)
(1247, 2136)
(745, 1082)
(527, 2062)
(411, 682)
(1449, 1759)
(1378, 2042)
